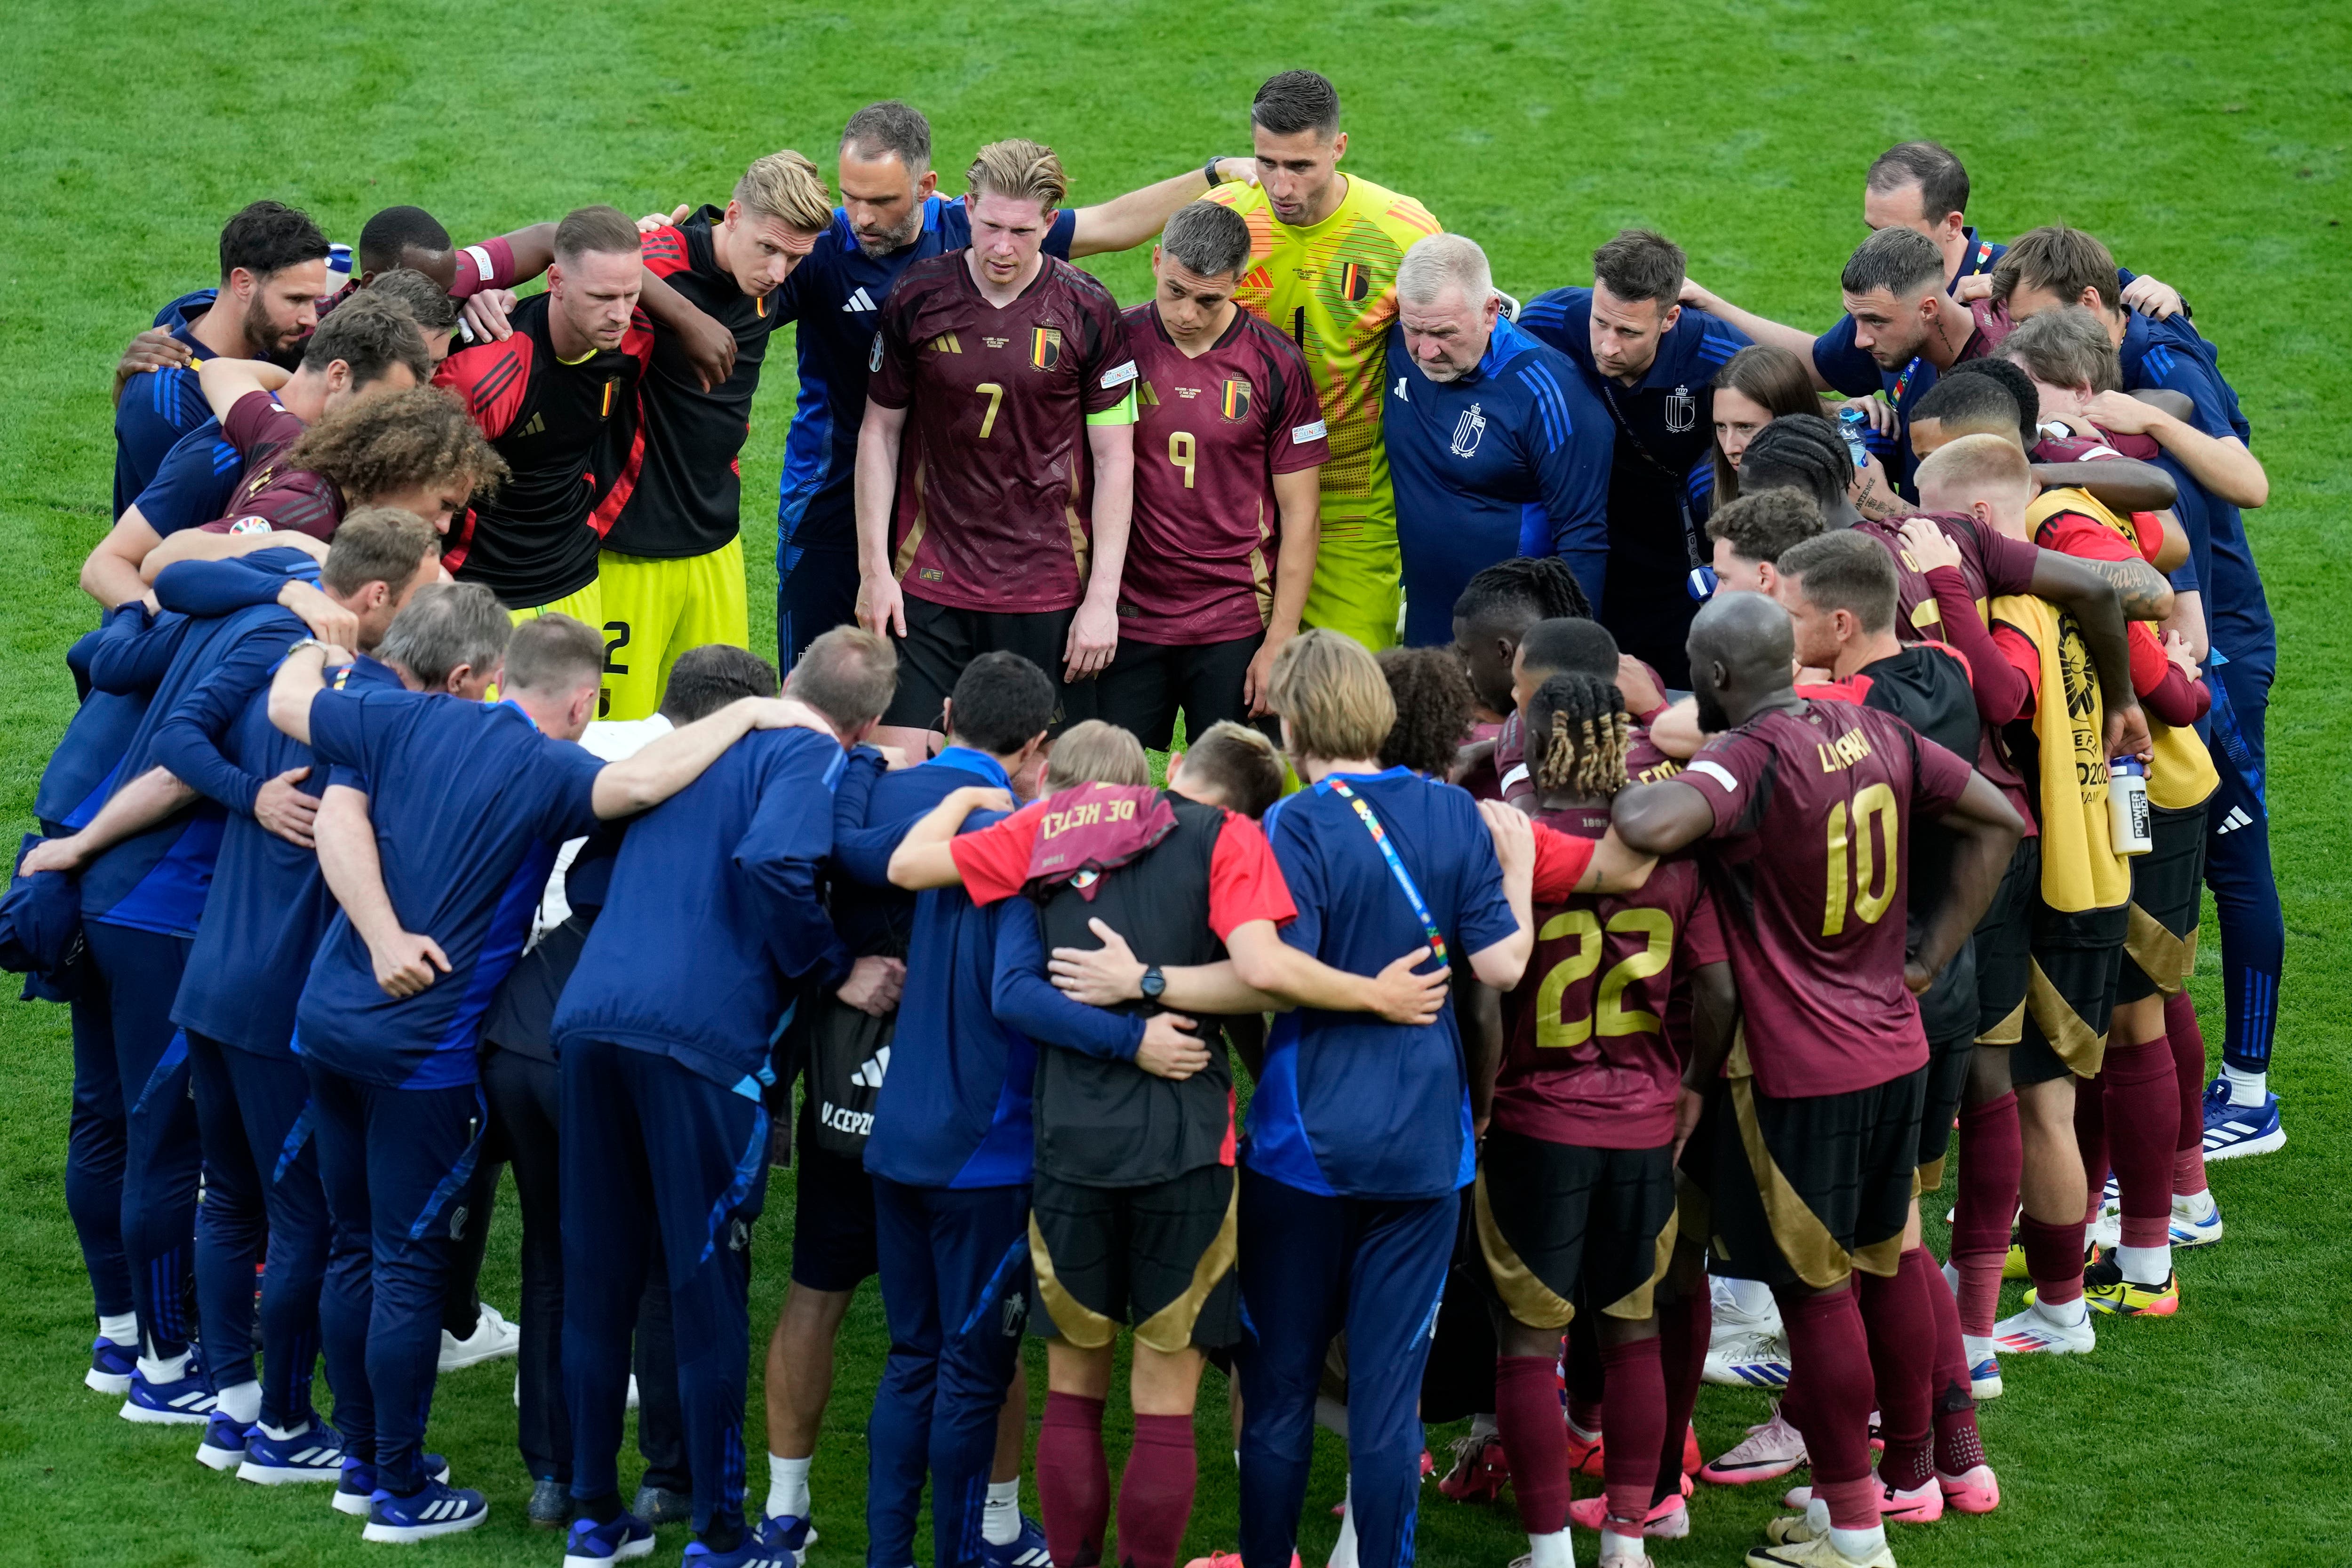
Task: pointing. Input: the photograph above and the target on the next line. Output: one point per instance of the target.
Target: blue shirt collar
(510, 702)
(979, 762)
(1506, 343)
(1398, 771)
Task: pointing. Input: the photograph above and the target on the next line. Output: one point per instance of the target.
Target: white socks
(169, 1369)
(2145, 1265)
(1550, 1551)
(2193, 1206)
(1615, 1545)
(1343, 1551)
(1751, 1297)
(241, 1403)
(279, 1434)
(788, 1493)
(1978, 1348)
(2246, 1088)
(121, 1328)
(2065, 1315)
(1859, 1545)
(1000, 1521)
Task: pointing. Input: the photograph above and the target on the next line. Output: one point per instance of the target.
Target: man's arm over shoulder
(490, 379)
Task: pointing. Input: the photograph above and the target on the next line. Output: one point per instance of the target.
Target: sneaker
(2105, 1286)
(764, 1545)
(2030, 1331)
(1976, 1492)
(659, 1505)
(591, 1545)
(1692, 1457)
(493, 1337)
(1229, 1559)
(355, 1487)
(186, 1401)
(1668, 1521)
(1026, 1550)
(1428, 1467)
(2013, 1266)
(1748, 1361)
(1770, 1450)
(1811, 1552)
(110, 1367)
(2187, 1230)
(1480, 1472)
(1923, 1504)
(1984, 1378)
(222, 1448)
(2107, 1230)
(440, 1509)
(2234, 1131)
(1583, 1453)
(550, 1505)
(312, 1454)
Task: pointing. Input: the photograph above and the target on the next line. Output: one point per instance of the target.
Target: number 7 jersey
(1812, 844)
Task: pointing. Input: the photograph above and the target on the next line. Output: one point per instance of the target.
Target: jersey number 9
(1610, 1016)
(1873, 877)
(1180, 452)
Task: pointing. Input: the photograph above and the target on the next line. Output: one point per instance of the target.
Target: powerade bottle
(1852, 424)
(2128, 818)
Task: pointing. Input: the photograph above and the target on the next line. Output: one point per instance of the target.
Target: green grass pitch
(2205, 141)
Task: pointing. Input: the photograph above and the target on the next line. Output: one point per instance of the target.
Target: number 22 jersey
(1812, 815)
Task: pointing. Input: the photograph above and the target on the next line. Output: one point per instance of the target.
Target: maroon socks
(1635, 1434)
(1683, 1328)
(1829, 1400)
(1535, 1442)
(1901, 1322)
(1992, 1162)
(2188, 1072)
(1073, 1479)
(2143, 1103)
(2053, 1259)
(1155, 1493)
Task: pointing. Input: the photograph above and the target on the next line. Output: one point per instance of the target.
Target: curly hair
(1577, 734)
(1434, 708)
(1541, 583)
(375, 445)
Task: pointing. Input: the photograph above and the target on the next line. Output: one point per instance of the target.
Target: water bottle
(1701, 583)
(2128, 818)
(1851, 423)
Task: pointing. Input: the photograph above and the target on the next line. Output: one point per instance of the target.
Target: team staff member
(1324, 248)
(1483, 424)
(470, 800)
(1348, 1200)
(273, 268)
(996, 461)
(1654, 368)
(890, 215)
(1228, 441)
(664, 1129)
(671, 568)
(1807, 793)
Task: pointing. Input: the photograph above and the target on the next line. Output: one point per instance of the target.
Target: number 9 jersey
(1588, 1054)
(1813, 813)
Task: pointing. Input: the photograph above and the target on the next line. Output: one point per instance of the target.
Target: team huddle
(1643, 782)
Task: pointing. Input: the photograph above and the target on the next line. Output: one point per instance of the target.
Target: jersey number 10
(1849, 841)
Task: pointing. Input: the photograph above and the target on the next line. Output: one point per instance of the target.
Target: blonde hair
(1094, 752)
(1239, 763)
(786, 187)
(1020, 169)
(1437, 260)
(1332, 696)
(1962, 471)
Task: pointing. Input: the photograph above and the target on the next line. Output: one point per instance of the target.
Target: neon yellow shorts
(581, 604)
(655, 610)
(1358, 587)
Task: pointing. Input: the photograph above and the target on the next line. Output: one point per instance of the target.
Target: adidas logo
(945, 343)
(869, 1074)
(537, 425)
(858, 301)
(2236, 818)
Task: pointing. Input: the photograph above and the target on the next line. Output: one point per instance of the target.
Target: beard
(1712, 719)
(892, 239)
(280, 345)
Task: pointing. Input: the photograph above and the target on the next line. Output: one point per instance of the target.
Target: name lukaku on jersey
(1844, 752)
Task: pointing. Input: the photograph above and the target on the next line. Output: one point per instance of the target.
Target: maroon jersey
(272, 495)
(1211, 432)
(1992, 563)
(1644, 763)
(1587, 1057)
(1812, 821)
(995, 509)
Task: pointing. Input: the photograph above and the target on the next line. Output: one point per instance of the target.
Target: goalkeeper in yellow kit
(1324, 248)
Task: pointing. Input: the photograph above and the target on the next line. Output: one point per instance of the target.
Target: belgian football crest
(1355, 283)
(1681, 410)
(1468, 431)
(1233, 402)
(1044, 347)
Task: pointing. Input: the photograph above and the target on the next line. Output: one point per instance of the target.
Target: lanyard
(1396, 866)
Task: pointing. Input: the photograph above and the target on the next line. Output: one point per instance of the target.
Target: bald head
(1742, 650)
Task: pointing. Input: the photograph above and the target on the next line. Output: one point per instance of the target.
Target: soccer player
(463, 802)
(1576, 1189)
(1654, 368)
(1491, 619)
(375, 350)
(550, 398)
(1228, 443)
(273, 268)
(1349, 1194)
(671, 568)
(1324, 249)
(890, 216)
(1482, 423)
(996, 461)
(1823, 1088)
(665, 1134)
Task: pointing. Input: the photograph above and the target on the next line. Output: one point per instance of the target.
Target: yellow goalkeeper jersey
(1330, 288)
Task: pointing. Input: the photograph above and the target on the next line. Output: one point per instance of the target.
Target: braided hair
(1577, 735)
(1541, 583)
(1799, 451)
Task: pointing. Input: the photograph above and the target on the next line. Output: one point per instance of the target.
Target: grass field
(2206, 142)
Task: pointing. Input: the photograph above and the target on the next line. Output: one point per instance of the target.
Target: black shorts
(1146, 683)
(940, 641)
(2070, 996)
(1808, 1190)
(832, 1217)
(2004, 945)
(1563, 1225)
(1948, 1081)
(2160, 942)
(1158, 1257)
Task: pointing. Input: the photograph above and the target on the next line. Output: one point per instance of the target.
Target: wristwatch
(1154, 983)
(1209, 172)
(296, 647)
